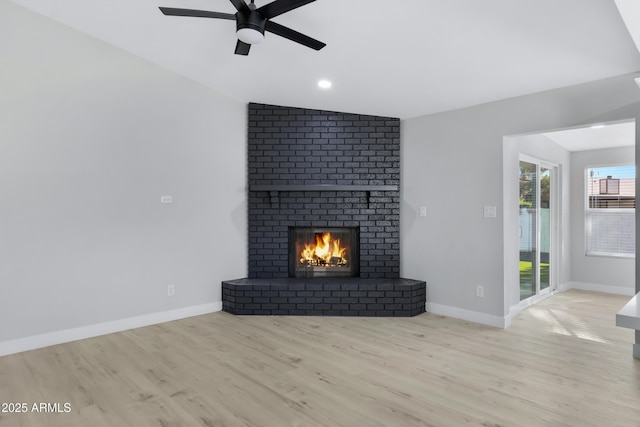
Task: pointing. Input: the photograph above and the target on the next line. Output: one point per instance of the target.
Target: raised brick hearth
(325, 297)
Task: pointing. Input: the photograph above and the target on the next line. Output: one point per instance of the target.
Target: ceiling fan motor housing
(252, 21)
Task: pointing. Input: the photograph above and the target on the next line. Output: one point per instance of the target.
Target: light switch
(489, 211)
(423, 211)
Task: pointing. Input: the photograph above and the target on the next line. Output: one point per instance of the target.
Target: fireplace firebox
(324, 252)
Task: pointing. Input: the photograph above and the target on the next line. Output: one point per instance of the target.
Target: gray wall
(452, 163)
(616, 274)
(90, 138)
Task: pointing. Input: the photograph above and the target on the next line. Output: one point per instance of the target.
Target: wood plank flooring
(563, 362)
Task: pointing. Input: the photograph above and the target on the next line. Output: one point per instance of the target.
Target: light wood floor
(563, 362)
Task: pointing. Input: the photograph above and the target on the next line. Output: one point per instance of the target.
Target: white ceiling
(593, 138)
(400, 58)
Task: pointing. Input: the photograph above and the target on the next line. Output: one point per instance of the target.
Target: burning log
(325, 252)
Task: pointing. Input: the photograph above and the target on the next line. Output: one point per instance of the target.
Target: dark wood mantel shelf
(324, 187)
(274, 190)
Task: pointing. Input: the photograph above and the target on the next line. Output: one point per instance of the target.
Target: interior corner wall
(90, 138)
(637, 263)
(611, 274)
(452, 163)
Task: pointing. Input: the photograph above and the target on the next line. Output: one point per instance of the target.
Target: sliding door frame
(554, 226)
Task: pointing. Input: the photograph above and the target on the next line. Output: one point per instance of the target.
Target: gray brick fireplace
(323, 170)
(311, 168)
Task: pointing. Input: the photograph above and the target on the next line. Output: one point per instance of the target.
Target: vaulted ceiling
(400, 58)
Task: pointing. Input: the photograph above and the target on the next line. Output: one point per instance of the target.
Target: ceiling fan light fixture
(252, 21)
(249, 35)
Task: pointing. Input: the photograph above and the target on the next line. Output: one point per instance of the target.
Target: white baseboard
(468, 315)
(586, 286)
(505, 322)
(90, 331)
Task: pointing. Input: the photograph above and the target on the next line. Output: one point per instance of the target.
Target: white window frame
(590, 213)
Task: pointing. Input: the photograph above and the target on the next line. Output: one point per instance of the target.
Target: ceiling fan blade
(170, 11)
(242, 48)
(241, 6)
(279, 7)
(293, 35)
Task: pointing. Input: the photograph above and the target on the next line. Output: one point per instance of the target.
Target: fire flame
(325, 251)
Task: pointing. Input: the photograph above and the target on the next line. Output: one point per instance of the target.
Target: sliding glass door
(536, 225)
(544, 220)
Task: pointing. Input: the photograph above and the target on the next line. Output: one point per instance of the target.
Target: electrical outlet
(480, 291)
(171, 290)
(166, 199)
(490, 212)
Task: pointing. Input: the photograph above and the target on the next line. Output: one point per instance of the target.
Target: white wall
(452, 163)
(90, 138)
(615, 275)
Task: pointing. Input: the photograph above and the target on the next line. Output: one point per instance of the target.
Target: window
(610, 211)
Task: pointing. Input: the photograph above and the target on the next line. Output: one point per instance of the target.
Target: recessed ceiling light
(597, 126)
(637, 79)
(324, 84)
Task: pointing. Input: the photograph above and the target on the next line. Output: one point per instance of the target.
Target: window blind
(610, 211)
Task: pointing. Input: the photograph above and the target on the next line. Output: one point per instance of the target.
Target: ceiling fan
(252, 22)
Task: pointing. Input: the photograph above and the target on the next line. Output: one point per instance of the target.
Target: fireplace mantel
(323, 187)
(275, 189)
